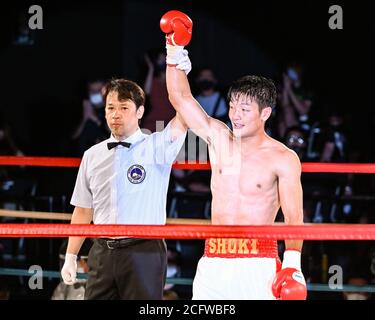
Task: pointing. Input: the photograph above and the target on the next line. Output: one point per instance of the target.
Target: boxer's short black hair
(260, 89)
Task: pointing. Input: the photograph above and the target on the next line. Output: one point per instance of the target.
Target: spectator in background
(295, 139)
(208, 95)
(160, 109)
(295, 101)
(335, 144)
(13, 190)
(92, 128)
(7, 144)
(8, 147)
(334, 148)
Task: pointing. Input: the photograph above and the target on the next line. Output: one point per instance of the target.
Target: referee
(124, 180)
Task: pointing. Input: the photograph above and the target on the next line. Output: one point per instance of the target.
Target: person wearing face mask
(295, 100)
(160, 110)
(7, 147)
(335, 149)
(96, 99)
(12, 182)
(211, 99)
(295, 140)
(335, 145)
(92, 128)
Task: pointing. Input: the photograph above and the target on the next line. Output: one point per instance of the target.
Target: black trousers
(126, 269)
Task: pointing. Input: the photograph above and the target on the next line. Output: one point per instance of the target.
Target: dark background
(41, 84)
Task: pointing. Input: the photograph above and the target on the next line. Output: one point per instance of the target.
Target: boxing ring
(182, 228)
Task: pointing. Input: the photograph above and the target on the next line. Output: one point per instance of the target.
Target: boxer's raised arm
(178, 29)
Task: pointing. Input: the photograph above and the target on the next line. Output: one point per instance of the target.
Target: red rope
(338, 167)
(74, 162)
(274, 232)
(39, 161)
(192, 166)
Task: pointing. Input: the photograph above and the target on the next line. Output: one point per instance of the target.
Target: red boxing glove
(289, 284)
(178, 27)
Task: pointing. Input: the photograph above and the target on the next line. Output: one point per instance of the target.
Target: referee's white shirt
(128, 185)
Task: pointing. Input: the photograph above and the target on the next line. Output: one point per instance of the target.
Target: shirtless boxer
(252, 176)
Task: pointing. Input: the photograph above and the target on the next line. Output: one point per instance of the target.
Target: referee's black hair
(126, 89)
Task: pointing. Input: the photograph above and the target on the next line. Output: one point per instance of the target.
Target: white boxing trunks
(236, 269)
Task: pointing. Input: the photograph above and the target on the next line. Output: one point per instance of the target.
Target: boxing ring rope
(67, 216)
(74, 162)
(191, 231)
(39, 161)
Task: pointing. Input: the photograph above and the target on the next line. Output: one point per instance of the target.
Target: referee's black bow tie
(111, 145)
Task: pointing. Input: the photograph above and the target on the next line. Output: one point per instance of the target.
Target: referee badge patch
(136, 174)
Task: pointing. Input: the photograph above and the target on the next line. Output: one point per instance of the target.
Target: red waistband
(240, 248)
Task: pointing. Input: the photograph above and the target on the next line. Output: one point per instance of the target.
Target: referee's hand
(69, 269)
